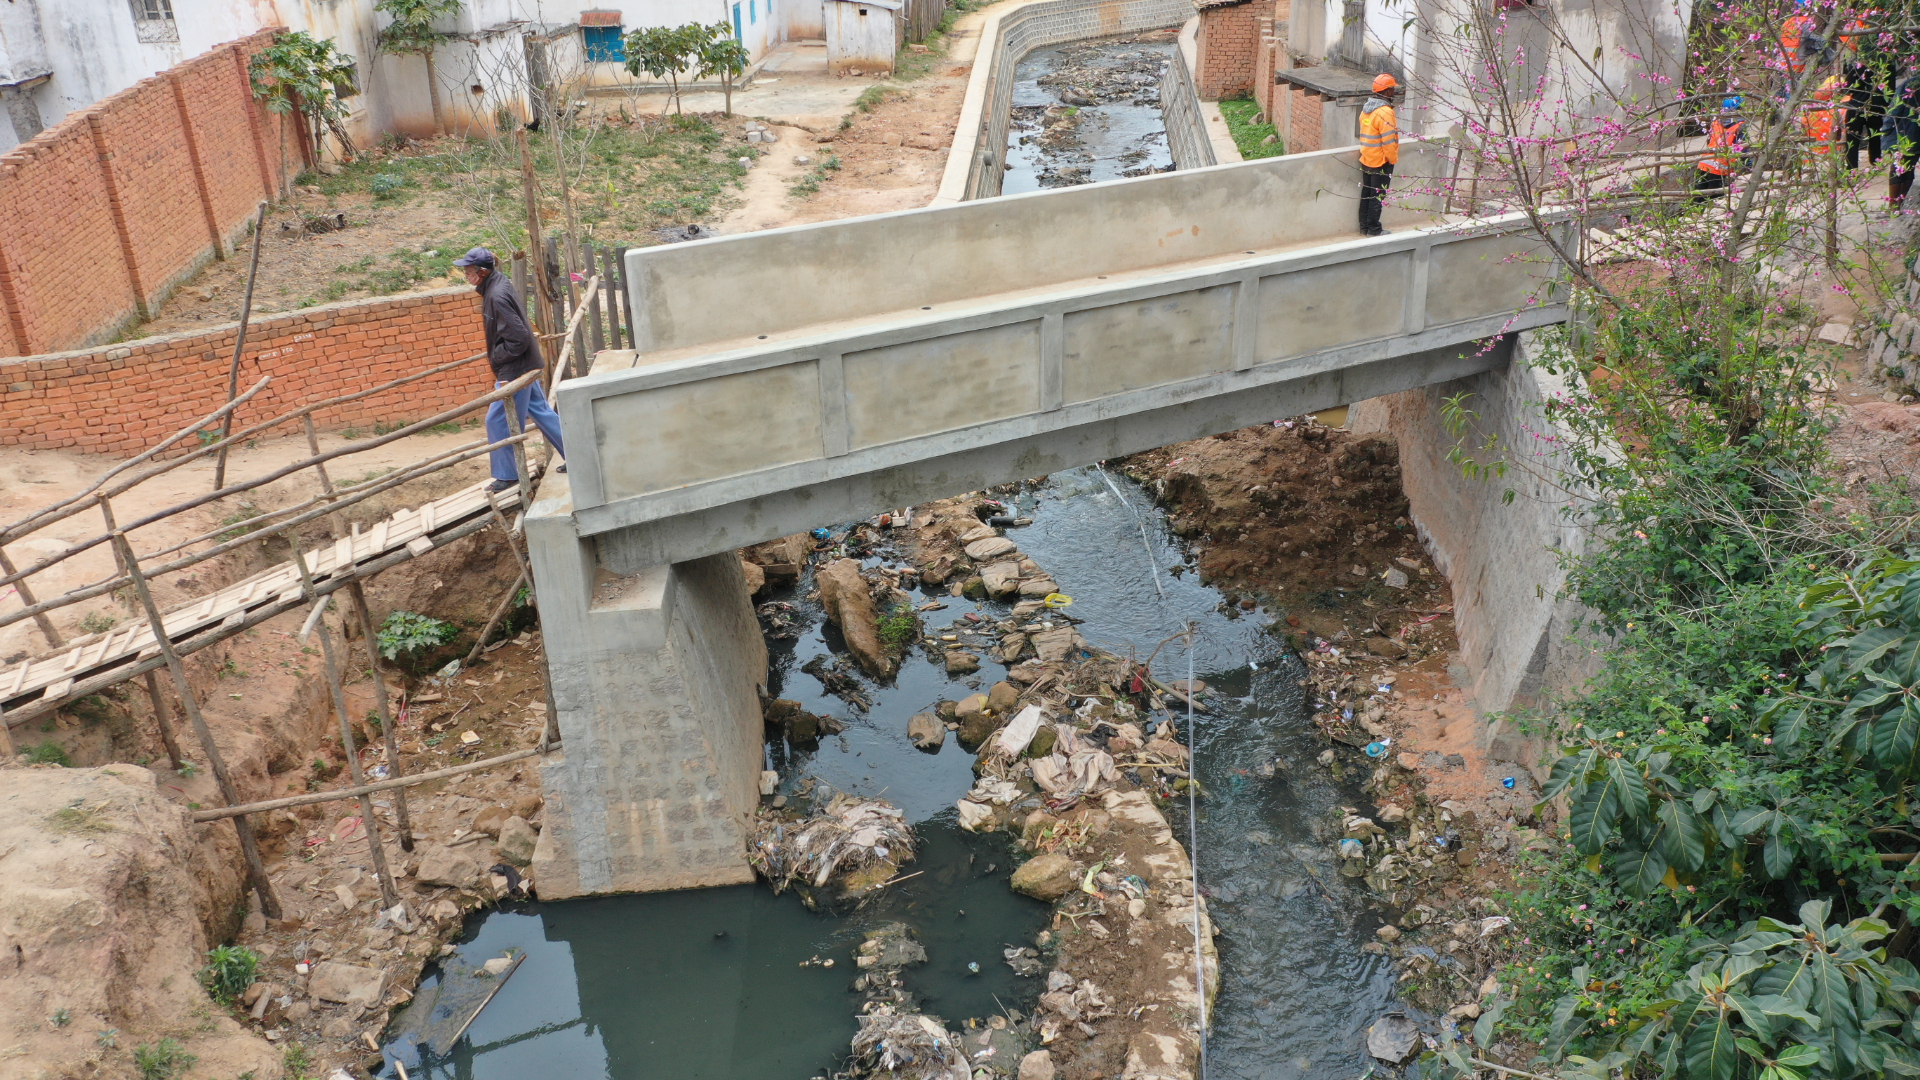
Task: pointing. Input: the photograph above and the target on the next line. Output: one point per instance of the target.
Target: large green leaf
(1870, 645)
(1711, 1053)
(1831, 998)
(1703, 799)
(1798, 1057)
(1903, 660)
(1682, 837)
(1633, 787)
(1896, 739)
(1567, 1023)
(1640, 872)
(1754, 1016)
(1778, 856)
(1593, 816)
(1567, 770)
(1780, 1008)
(1788, 729)
(1483, 1027)
(1751, 820)
(1867, 698)
(1791, 979)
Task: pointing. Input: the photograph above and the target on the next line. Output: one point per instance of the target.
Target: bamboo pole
(240, 344)
(389, 896)
(506, 390)
(358, 594)
(161, 718)
(310, 799)
(28, 602)
(499, 610)
(249, 849)
(536, 250)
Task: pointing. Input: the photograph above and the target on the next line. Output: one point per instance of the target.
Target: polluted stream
(1088, 111)
(732, 983)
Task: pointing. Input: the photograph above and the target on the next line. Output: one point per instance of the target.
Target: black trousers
(1373, 184)
(1707, 185)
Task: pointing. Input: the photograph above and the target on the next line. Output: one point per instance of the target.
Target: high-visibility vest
(1379, 138)
(1818, 125)
(1722, 140)
(1790, 32)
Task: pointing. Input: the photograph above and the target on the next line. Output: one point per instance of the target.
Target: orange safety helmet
(1383, 82)
(1826, 89)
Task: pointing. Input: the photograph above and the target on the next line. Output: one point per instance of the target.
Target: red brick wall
(1225, 46)
(1304, 136)
(121, 399)
(1266, 52)
(103, 212)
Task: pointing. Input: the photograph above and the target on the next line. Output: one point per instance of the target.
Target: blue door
(737, 35)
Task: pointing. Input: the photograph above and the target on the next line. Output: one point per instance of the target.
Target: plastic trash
(448, 672)
(1352, 849)
(821, 534)
(1378, 749)
(1058, 600)
(1507, 782)
(973, 967)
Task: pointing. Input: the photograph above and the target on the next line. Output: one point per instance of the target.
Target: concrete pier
(656, 677)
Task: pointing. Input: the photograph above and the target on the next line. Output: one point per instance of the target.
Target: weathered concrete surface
(656, 679)
(1518, 641)
(985, 342)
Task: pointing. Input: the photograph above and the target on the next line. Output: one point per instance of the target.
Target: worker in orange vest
(1724, 149)
(1821, 120)
(1798, 41)
(1379, 152)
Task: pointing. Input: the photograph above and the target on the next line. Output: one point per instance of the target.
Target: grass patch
(49, 753)
(899, 630)
(163, 1060)
(1249, 136)
(810, 183)
(877, 95)
(238, 520)
(97, 623)
(79, 820)
(230, 970)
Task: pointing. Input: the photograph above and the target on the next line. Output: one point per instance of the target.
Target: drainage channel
(730, 983)
(1087, 111)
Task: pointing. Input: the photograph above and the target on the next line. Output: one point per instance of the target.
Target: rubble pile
(907, 1046)
(848, 838)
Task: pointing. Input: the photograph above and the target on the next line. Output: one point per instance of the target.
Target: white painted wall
(93, 50)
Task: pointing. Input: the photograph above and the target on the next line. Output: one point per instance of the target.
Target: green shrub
(387, 185)
(230, 970)
(900, 629)
(407, 631)
(163, 1060)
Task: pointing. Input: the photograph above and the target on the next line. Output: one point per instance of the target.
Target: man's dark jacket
(511, 348)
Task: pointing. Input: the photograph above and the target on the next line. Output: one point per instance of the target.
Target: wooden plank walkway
(37, 686)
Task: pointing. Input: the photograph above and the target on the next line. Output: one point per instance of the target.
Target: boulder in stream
(843, 592)
(927, 732)
(1046, 877)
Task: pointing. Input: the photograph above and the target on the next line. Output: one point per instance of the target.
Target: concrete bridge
(811, 375)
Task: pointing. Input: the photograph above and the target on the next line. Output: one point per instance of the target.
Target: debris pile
(907, 1046)
(848, 838)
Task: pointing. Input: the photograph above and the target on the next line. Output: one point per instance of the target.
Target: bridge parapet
(854, 366)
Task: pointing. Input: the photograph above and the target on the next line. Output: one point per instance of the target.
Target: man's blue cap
(476, 257)
(1732, 103)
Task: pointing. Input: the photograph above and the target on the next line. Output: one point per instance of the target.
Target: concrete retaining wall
(1518, 640)
(656, 679)
(976, 164)
(1187, 133)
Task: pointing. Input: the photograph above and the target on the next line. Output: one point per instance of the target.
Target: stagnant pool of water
(714, 983)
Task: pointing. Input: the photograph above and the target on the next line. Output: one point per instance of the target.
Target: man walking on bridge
(512, 351)
(1379, 152)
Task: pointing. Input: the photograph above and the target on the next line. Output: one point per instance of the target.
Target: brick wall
(1265, 56)
(1304, 133)
(121, 399)
(104, 213)
(1228, 37)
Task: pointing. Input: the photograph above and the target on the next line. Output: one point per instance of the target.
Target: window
(605, 44)
(753, 12)
(153, 21)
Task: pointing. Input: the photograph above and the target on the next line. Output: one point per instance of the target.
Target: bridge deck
(37, 686)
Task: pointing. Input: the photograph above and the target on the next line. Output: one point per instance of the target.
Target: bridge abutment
(656, 679)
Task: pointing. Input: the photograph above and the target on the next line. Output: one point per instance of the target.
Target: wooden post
(610, 268)
(596, 336)
(26, 600)
(6, 736)
(158, 700)
(163, 720)
(536, 247)
(578, 339)
(358, 594)
(239, 345)
(249, 848)
(389, 896)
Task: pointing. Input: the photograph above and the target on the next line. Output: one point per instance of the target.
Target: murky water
(1088, 111)
(710, 984)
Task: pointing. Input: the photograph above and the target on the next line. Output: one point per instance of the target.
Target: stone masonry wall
(121, 399)
(1229, 36)
(105, 213)
(1893, 352)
